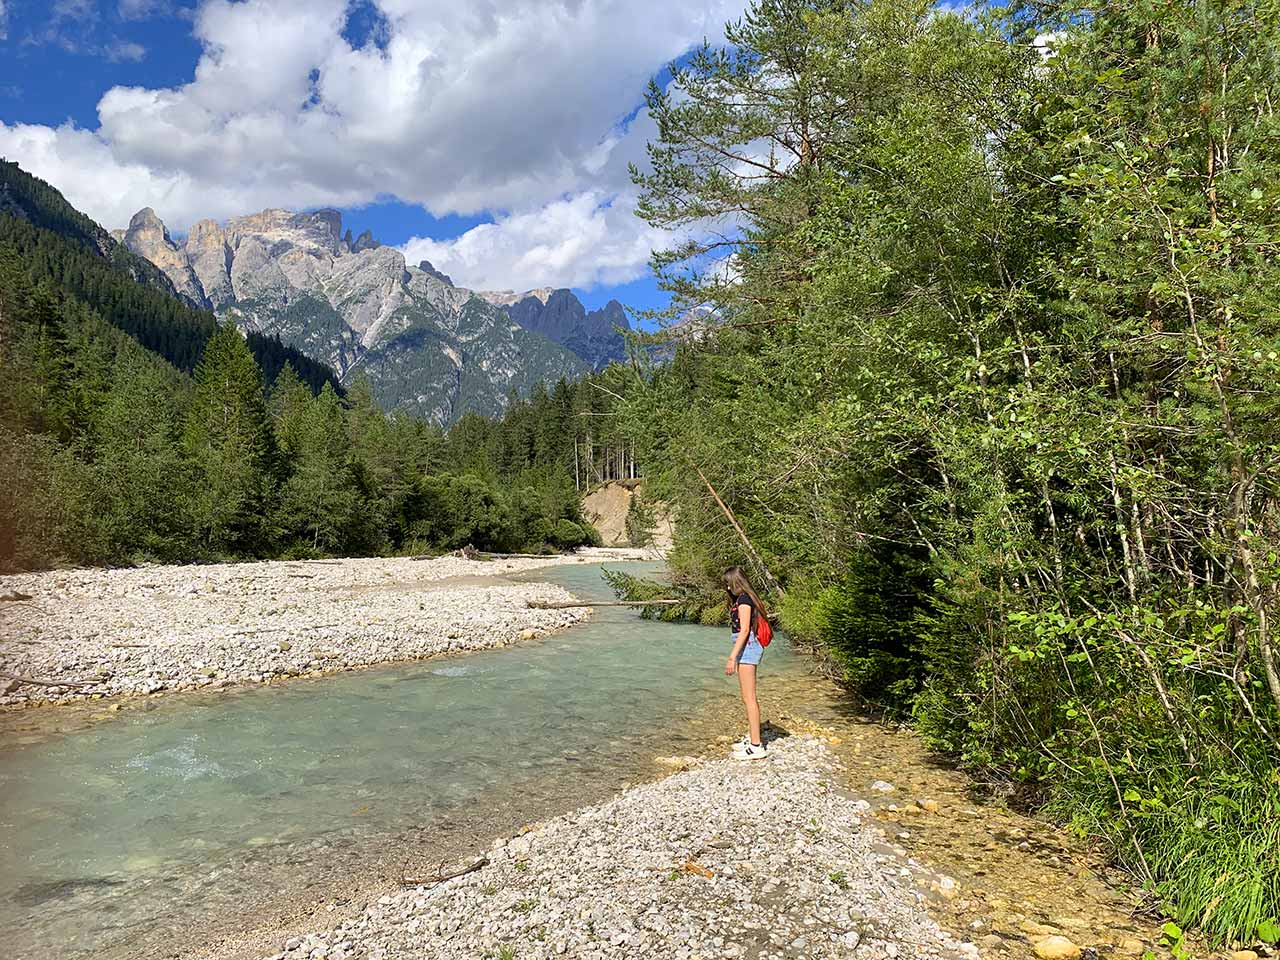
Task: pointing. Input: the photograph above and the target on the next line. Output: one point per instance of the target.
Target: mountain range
(426, 345)
(79, 261)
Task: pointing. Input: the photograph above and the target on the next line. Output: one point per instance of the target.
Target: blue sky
(491, 136)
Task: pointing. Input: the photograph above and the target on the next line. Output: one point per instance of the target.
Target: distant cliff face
(558, 315)
(427, 346)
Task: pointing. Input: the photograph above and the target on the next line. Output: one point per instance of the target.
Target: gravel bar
(727, 858)
(146, 630)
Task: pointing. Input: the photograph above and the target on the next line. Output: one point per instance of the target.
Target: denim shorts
(752, 652)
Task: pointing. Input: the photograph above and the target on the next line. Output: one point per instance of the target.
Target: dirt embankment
(607, 506)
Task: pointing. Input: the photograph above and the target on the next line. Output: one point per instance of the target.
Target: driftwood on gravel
(13, 596)
(47, 683)
(297, 627)
(543, 605)
(471, 553)
(441, 877)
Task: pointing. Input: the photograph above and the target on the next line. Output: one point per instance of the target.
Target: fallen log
(742, 534)
(47, 683)
(298, 627)
(13, 596)
(471, 553)
(543, 605)
(442, 877)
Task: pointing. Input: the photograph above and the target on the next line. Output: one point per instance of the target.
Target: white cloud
(74, 10)
(75, 27)
(4, 21)
(121, 50)
(583, 241)
(507, 106)
(143, 9)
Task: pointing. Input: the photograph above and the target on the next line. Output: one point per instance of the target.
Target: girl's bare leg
(747, 686)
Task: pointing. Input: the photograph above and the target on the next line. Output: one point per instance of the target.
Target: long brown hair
(736, 584)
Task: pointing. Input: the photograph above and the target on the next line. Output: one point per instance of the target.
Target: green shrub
(868, 624)
(454, 511)
(640, 521)
(48, 512)
(567, 534)
(714, 615)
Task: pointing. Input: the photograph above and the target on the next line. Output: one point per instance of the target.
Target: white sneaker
(752, 751)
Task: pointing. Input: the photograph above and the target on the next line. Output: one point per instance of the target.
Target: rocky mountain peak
(505, 298)
(426, 267)
(559, 315)
(426, 344)
(147, 231)
(202, 231)
(148, 237)
(314, 231)
(146, 220)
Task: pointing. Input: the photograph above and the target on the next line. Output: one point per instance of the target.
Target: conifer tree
(144, 479)
(318, 504)
(229, 441)
(287, 407)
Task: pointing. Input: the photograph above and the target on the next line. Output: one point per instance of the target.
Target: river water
(127, 835)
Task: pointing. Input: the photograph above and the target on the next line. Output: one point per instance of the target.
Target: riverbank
(150, 630)
(723, 859)
(850, 841)
(448, 755)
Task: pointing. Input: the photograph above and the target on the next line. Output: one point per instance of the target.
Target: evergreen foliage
(991, 387)
(133, 428)
(229, 444)
(61, 247)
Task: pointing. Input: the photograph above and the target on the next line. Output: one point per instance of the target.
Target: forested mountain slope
(60, 245)
(427, 347)
(133, 427)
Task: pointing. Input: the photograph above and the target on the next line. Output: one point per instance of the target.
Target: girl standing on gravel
(745, 609)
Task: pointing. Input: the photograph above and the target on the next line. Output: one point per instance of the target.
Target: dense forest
(992, 390)
(135, 429)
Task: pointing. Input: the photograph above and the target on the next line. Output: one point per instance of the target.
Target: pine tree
(143, 477)
(319, 503)
(229, 440)
(287, 406)
(52, 373)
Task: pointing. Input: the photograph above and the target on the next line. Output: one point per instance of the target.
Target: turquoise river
(188, 818)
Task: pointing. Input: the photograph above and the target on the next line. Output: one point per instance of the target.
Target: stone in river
(1056, 948)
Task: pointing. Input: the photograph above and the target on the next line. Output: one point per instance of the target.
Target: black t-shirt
(733, 614)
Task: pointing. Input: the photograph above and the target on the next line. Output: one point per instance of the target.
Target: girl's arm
(744, 631)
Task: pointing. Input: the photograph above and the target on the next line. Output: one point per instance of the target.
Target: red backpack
(764, 632)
